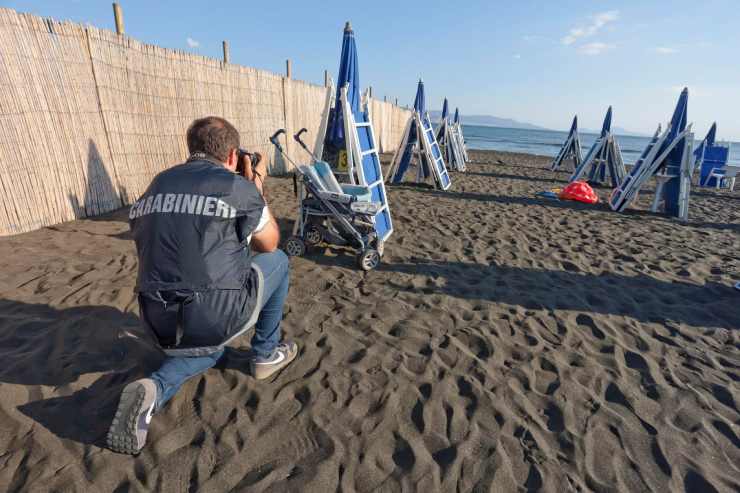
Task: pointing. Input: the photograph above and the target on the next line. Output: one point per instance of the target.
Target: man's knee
(282, 257)
(273, 262)
(281, 260)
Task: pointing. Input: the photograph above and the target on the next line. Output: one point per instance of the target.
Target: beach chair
(714, 171)
(571, 149)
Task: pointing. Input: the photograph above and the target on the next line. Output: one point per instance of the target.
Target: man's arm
(266, 237)
(266, 240)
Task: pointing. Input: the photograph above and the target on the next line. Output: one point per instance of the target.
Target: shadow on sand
(507, 176)
(641, 297)
(54, 348)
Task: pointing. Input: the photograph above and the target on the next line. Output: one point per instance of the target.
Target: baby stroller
(332, 213)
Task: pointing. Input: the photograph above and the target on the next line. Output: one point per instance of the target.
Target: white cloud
(192, 43)
(665, 50)
(595, 48)
(517, 56)
(597, 22)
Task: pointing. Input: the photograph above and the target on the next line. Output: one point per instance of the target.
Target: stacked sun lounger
(667, 158)
(449, 139)
(571, 148)
(419, 144)
(603, 158)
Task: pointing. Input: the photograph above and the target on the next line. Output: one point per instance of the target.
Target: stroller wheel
(313, 236)
(368, 259)
(295, 247)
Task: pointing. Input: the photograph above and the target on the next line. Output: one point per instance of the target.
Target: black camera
(254, 157)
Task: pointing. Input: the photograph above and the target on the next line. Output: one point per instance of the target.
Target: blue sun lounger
(667, 158)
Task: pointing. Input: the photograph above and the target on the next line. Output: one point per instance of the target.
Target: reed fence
(88, 117)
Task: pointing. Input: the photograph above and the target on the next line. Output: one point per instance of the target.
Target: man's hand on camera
(261, 167)
(256, 175)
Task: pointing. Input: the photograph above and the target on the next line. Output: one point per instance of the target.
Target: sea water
(549, 142)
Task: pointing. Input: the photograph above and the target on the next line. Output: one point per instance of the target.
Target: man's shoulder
(200, 170)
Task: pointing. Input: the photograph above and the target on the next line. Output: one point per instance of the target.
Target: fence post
(226, 51)
(118, 16)
(288, 71)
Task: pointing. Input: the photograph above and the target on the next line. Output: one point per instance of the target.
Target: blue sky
(537, 61)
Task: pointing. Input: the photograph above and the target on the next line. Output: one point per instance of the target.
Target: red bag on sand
(579, 191)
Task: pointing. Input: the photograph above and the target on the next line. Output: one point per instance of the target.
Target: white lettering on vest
(209, 206)
(157, 204)
(181, 203)
(169, 202)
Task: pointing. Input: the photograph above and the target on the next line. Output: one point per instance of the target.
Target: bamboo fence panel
(389, 122)
(89, 117)
(150, 95)
(381, 124)
(307, 105)
(54, 156)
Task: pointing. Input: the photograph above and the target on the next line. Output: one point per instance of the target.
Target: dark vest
(191, 227)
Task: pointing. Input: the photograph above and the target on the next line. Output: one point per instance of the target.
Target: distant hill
(615, 131)
(488, 121)
(495, 121)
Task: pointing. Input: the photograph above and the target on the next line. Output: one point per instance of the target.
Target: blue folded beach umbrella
(707, 142)
(711, 135)
(673, 161)
(413, 141)
(457, 116)
(599, 172)
(607, 126)
(712, 157)
(419, 104)
(349, 75)
(442, 130)
(680, 115)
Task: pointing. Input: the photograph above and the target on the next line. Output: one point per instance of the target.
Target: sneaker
(127, 433)
(284, 353)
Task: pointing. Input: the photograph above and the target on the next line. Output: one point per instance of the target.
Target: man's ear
(232, 160)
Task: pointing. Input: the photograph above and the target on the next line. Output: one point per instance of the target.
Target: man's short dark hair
(214, 136)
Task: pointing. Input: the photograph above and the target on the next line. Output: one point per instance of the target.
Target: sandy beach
(506, 343)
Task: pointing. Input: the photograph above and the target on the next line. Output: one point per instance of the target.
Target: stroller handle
(274, 139)
(297, 136)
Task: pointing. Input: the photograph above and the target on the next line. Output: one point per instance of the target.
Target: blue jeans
(175, 371)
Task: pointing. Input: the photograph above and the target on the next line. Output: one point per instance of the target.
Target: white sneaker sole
(124, 435)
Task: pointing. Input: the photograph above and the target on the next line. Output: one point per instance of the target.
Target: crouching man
(199, 286)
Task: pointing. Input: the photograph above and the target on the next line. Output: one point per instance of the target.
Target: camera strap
(202, 156)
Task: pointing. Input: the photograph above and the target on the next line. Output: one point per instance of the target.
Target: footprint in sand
(403, 456)
(587, 321)
(637, 362)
